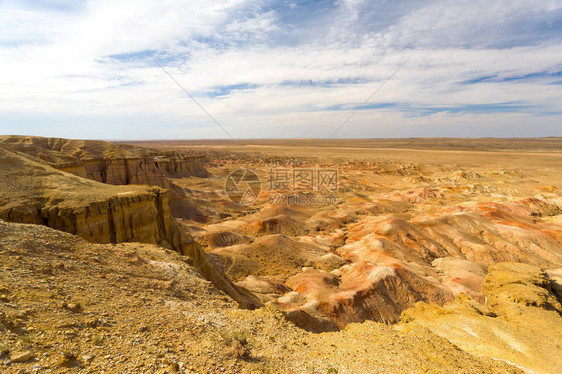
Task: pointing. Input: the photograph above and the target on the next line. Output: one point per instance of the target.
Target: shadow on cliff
(79, 187)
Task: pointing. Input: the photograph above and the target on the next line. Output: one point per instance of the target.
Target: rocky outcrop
(106, 162)
(31, 192)
(519, 323)
(122, 218)
(115, 164)
(357, 292)
(36, 193)
(510, 287)
(150, 170)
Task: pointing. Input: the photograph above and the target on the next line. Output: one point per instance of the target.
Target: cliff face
(121, 218)
(36, 193)
(32, 192)
(107, 162)
(147, 170)
(115, 164)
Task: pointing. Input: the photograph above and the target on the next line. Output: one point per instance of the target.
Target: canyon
(35, 192)
(418, 236)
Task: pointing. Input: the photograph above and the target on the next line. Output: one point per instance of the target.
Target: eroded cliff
(108, 162)
(33, 192)
(116, 164)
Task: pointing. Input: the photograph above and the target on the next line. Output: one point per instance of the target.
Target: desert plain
(426, 255)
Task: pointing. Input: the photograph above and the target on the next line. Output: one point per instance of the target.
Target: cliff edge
(33, 192)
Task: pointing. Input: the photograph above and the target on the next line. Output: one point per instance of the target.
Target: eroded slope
(402, 230)
(71, 306)
(521, 321)
(32, 192)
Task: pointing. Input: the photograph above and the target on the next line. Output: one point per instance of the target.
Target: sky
(280, 69)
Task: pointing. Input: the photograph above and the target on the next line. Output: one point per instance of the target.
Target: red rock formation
(395, 262)
(361, 291)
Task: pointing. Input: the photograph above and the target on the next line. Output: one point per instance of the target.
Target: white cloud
(55, 63)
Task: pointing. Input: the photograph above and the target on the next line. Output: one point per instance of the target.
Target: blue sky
(85, 69)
